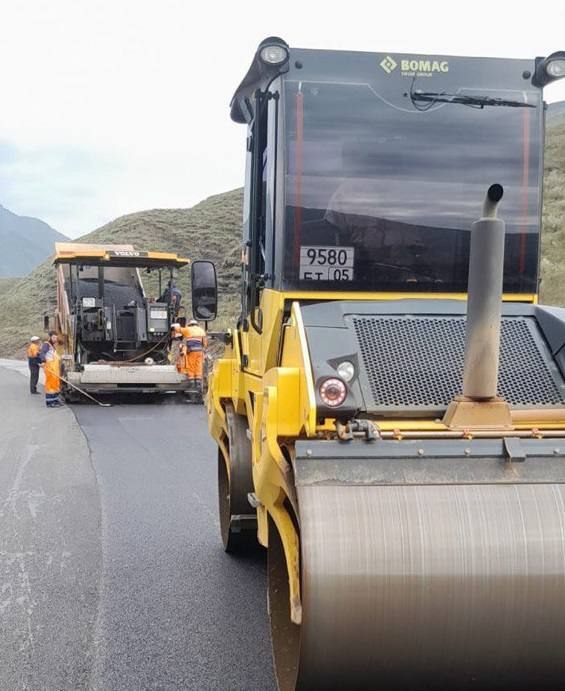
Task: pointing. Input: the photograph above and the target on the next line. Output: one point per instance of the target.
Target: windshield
(381, 193)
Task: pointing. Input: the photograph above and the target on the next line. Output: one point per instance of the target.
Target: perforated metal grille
(417, 362)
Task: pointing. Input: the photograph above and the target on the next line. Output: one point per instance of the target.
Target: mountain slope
(556, 113)
(209, 230)
(25, 242)
(553, 235)
(7, 284)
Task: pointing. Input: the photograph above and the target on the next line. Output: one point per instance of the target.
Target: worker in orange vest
(34, 363)
(196, 342)
(51, 364)
(177, 351)
(184, 331)
(183, 328)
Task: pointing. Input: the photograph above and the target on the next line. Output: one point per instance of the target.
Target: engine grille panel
(416, 363)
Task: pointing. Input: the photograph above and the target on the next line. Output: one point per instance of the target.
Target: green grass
(212, 230)
(209, 230)
(7, 284)
(553, 236)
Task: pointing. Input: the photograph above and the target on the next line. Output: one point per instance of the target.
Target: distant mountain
(25, 242)
(556, 113)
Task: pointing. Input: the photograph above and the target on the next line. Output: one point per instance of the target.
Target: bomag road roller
(390, 408)
(115, 337)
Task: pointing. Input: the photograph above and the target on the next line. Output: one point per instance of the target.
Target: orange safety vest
(196, 341)
(33, 350)
(180, 358)
(52, 371)
(195, 338)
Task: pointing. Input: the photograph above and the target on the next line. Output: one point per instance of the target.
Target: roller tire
(233, 490)
(285, 635)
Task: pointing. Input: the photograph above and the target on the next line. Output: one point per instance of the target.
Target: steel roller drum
(433, 586)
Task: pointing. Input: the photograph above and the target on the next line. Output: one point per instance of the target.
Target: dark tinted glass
(204, 290)
(381, 189)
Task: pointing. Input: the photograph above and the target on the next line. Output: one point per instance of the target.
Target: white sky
(113, 106)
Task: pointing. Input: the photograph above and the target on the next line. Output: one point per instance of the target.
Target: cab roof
(261, 74)
(114, 255)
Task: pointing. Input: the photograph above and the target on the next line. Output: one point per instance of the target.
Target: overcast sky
(113, 106)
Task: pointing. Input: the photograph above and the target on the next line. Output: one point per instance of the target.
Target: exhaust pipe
(484, 301)
(479, 407)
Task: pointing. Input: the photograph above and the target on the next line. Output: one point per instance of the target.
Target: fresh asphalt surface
(112, 575)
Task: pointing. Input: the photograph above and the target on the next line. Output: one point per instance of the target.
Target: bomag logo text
(424, 66)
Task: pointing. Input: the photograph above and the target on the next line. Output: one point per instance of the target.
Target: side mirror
(204, 291)
(46, 322)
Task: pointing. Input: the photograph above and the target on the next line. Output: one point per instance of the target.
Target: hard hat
(192, 322)
(35, 338)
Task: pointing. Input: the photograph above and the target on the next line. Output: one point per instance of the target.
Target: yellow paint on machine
(267, 376)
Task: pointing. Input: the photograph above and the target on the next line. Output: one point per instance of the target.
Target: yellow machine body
(409, 490)
(275, 395)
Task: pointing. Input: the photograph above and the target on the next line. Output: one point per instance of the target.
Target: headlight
(549, 69)
(333, 392)
(274, 55)
(346, 370)
(555, 69)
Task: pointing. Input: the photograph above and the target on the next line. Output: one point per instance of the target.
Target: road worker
(196, 341)
(172, 296)
(177, 353)
(185, 331)
(51, 364)
(34, 362)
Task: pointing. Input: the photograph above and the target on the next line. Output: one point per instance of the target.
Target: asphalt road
(114, 577)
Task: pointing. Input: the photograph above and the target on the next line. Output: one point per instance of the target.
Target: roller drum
(436, 587)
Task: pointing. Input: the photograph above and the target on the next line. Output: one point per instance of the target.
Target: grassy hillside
(211, 230)
(7, 284)
(556, 113)
(553, 236)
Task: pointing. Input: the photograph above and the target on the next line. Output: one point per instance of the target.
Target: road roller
(389, 411)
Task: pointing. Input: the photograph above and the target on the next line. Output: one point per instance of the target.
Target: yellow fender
(271, 473)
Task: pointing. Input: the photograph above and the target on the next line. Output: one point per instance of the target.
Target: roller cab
(389, 411)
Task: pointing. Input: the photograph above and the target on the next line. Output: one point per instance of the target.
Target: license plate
(319, 263)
